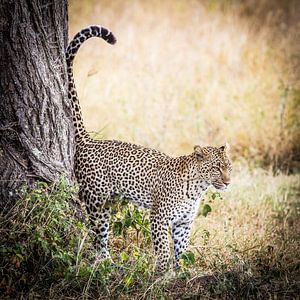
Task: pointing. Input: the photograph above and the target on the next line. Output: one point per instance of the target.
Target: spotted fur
(170, 187)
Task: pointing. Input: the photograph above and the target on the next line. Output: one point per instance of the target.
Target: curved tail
(74, 45)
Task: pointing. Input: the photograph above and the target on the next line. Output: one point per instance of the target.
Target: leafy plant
(43, 243)
(131, 224)
(40, 238)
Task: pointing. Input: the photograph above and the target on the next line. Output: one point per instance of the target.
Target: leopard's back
(120, 168)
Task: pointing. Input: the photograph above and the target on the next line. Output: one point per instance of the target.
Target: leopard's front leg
(180, 234)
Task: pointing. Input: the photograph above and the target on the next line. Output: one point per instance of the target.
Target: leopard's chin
(219, 186)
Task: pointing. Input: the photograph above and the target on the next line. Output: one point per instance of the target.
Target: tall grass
(246, 245)
(187, 72)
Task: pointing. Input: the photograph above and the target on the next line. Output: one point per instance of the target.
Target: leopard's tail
(74, 45)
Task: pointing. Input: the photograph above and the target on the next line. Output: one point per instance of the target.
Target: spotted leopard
(171, 187)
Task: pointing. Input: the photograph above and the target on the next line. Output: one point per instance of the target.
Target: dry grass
(246, 247)
(187, 72)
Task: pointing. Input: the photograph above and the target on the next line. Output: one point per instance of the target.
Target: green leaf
(128, 280)
(117, 228)
(124, 256)
(206, 210)
(187, 258)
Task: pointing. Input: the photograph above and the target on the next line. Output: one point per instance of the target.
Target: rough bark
(35, 130)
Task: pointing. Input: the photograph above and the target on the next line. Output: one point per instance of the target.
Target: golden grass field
(194, 72)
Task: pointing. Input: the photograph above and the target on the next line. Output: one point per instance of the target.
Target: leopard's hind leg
(99, 210)
(100, 226)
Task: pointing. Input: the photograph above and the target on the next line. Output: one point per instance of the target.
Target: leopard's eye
(218, 166)
(215, 168)
(228, 167)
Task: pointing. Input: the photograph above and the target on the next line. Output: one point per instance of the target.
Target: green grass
(245, 243)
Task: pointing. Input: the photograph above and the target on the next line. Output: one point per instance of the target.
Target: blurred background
(194, 72)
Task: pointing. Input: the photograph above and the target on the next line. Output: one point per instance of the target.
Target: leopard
(171, 187)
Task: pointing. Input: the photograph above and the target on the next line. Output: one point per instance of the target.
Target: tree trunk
(36, 133)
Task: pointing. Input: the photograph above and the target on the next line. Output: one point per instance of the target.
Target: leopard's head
(214, 162)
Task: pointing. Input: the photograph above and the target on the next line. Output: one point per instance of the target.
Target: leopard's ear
(225, 148)
(201, 152)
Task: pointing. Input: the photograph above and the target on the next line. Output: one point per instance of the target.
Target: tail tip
(111, 39)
